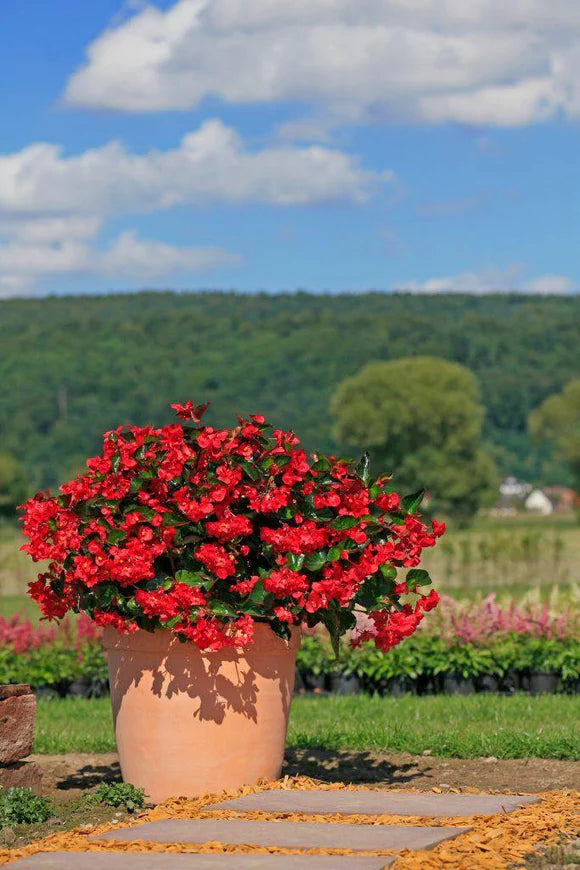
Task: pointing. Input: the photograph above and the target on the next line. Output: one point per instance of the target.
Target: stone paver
(166, 861)
(367, 802)
(299, 835)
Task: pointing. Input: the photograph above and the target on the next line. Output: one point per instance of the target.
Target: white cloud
(481, 61)
(508, 280)
(25, 260)
(53, 206)
(132, 257)
(549, 284)
(210, 164)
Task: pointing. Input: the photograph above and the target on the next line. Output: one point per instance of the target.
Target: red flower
(216, 559)
(179, 524)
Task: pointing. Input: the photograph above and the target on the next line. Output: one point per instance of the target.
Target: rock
(17, 713)
(27, 774)
(13, 690)
(7, 836)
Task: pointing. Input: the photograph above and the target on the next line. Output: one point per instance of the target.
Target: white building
(538, 503)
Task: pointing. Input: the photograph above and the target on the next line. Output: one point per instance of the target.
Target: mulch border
(493, 842)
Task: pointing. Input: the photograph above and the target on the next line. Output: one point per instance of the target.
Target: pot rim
(163, 640)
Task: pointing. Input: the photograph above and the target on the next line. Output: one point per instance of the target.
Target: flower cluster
(479, 621)
(204, 531)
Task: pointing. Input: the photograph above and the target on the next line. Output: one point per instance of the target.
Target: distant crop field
(508, 556)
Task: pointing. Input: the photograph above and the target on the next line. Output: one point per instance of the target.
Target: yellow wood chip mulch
(493, 843)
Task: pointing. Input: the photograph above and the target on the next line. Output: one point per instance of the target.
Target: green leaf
(115, 463)
(295, 561)
(417, 577)
(315, 561)
(190, 578)
(362, 469)
(344, 522)
(334, 554)
(388, 571)
(115, 536)
(373, 591)
(146, 512)
(222, 608)
(410, 503)
(321, 464)
(258, 593)
(250, 469)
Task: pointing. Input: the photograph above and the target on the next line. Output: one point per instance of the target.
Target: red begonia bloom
(203, 530)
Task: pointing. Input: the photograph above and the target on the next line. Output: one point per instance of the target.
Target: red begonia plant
(204, 531)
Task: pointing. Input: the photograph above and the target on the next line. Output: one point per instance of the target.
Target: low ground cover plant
(19, 805)
(118, 794)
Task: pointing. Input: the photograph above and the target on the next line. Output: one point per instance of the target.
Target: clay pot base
(493, 842)
(191, 722)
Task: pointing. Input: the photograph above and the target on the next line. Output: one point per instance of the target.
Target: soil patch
(67, 776)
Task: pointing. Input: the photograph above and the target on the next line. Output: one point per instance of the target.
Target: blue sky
(336, 144)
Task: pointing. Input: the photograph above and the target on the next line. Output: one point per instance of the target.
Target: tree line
(72, 367)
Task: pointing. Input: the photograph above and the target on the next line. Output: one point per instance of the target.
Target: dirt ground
(66, 776)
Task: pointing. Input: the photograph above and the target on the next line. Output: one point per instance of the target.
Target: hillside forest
(71, 368)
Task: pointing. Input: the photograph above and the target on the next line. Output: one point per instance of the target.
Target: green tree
(12, 484)
(421, 418)
(557, 420)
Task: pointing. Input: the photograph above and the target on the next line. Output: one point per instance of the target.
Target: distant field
(450, 727)
(16, 568)
(510, 556)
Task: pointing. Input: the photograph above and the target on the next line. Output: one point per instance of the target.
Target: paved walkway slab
(166, 861)
(299, 835)
(367, 802)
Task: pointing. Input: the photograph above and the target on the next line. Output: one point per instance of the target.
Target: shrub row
(428, 664)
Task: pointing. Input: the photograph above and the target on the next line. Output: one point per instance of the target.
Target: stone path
(287, 834)
(367, 802)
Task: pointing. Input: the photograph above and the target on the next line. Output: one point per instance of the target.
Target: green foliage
(427, 655)
(20, 805)
(118, 794)
(56, 665)
(99, 361)
(12, 483)
(558, 420)
(421, 417)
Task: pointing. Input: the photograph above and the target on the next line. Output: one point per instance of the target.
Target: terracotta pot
(189, 722)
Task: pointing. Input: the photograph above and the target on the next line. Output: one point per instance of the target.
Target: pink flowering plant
(206, 531)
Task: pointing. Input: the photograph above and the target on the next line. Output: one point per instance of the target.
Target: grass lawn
(451, 727)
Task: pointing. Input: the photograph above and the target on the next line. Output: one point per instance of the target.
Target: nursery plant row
(427, 664)
(422, 664)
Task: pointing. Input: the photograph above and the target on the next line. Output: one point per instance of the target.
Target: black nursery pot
(543, 682)
(455, 684)
(343, 684)
(509, 682)
(402, 686)
(315, 682)
(429, 685)
(299, 684)
(487, 683)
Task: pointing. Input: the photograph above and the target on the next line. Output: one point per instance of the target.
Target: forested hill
(72, 367)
